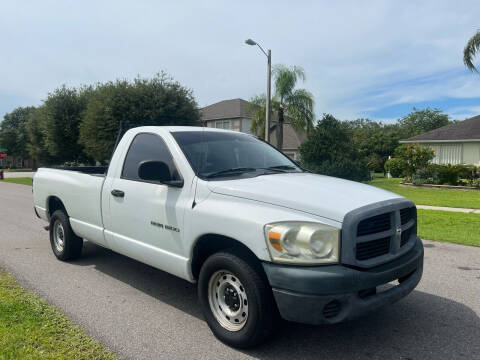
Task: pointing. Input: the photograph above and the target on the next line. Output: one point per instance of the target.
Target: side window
(147, 147)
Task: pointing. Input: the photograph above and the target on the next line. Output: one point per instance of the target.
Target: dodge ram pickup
(263, 238)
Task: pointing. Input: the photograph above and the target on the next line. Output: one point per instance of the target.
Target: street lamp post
(268, 54)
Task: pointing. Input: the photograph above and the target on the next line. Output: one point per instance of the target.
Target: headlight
(298, 242)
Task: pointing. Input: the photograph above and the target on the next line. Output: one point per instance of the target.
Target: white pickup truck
(262, 237)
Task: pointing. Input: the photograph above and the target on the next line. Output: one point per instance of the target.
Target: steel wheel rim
(58, 236)
(228, 300)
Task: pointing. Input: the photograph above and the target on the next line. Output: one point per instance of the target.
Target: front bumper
(334, 293)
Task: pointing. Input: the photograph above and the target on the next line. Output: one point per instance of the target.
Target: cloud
(359, 57)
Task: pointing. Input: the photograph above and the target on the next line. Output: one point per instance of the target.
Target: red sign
(3, 155)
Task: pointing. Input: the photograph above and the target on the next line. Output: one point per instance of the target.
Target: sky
(375, 59)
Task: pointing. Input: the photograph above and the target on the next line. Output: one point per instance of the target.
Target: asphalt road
(143, 313)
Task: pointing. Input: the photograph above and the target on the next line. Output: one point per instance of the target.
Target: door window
(147, 147)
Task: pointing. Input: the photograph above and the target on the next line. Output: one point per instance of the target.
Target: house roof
(291, 139)
(466, 130)
(226, 109)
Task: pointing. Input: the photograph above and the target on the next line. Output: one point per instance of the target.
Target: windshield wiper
(230, 171)
(281, 168)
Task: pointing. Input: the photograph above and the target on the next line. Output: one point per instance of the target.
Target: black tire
(262, 309)
(72, 244)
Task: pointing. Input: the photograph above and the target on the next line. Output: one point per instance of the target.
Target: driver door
(145, 220)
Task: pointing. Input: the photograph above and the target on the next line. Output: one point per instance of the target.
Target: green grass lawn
(449, 226)
(32, 329)
(20, 180)
(428, 196)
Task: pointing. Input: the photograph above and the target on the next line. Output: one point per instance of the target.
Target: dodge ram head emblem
(398, 232)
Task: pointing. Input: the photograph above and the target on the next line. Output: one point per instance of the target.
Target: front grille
(407, 214)
(405, 236)
(332, 309)
(370, 249)
(378, 235)
(374, 224)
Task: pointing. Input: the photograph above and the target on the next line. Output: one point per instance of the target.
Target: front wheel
(236, 300)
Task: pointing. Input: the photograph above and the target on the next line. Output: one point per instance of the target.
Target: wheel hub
(58, 236)
(228, 300)
(231, 298)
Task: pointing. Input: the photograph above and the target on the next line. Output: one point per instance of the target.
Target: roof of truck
(181, 128)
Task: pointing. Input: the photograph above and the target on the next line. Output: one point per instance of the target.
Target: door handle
(118, 193)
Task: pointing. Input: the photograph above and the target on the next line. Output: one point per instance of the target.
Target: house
(292, 140)
(457, 143)
(236, 115)
(228, 114)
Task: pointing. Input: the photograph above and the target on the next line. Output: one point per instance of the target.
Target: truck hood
(319, 195)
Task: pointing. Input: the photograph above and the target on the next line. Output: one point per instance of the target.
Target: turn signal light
(274, 238)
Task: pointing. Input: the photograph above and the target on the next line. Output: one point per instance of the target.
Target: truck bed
(92, 170)
(80, 190)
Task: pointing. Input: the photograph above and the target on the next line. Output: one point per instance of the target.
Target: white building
(453, 144)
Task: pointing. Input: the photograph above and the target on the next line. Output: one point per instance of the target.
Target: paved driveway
(143, 313)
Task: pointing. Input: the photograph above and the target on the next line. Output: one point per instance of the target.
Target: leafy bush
(413, 163)
(476, 183)
(453, 174)
(330, 151)
(415, 157)
(421, 177)
(449, 174)
(374, 162)
(395, 166)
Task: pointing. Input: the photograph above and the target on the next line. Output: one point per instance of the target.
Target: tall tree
(374, 140)
(60, 118)
(36, 130)
(292, 105)
(13, 134)
(329, 150)
(157, 101)
(470, 51)
(420, 121)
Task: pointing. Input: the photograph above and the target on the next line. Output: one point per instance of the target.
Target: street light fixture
(268, 54)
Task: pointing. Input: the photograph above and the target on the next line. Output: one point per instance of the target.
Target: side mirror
(158, 171)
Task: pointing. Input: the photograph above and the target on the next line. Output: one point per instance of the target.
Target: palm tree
(291, 104)
(470, 51)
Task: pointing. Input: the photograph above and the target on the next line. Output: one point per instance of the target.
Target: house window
(222, 124)
(234, 125)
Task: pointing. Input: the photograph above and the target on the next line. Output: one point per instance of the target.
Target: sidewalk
(453, 209)
(18, 174)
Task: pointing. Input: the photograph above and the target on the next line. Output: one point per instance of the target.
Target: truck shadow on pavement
(421, 326)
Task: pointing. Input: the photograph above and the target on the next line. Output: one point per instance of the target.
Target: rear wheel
(65, 244)
(236, 300)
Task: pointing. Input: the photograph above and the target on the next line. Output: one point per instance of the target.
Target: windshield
(215, 154)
